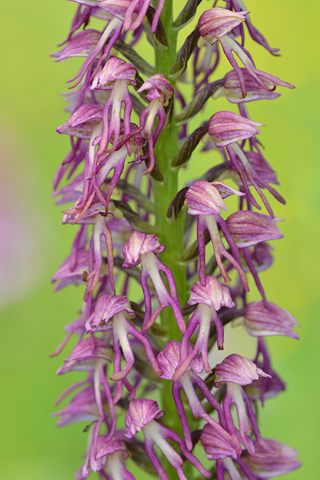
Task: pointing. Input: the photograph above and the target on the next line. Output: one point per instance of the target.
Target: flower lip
(217, 22)
(228, 127)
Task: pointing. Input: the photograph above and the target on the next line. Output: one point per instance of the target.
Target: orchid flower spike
(155, 306)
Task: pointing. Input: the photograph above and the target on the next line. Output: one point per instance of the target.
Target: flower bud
(79, 46)
(82, 122)
(232, 88)
(115, 69)
(215, 445)
(169, 359)
(217, 22)
(249, 228)
(237, 369)
(159, 87)
(141, 411)
(86, 355)
(228, 127)
(279, 461)
(140, 244)
(204, 199)
(212, 294)
(267, 320)
(108, 306)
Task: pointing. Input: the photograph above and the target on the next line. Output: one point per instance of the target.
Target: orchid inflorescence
(155, 301)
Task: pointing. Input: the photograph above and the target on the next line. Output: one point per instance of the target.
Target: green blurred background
(34, 243)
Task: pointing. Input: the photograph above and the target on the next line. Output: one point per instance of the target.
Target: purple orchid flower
(169, 360)
(93, 355)
(115, 76)
(160, 92)
(226, 129)
(280, 460)
(114, 453)
(205, 201)
(82, 407)
(96, 174)
(215, 25)
(209, 297)
(237, 371)
(142, 248)
(108, 37)
(265, 319)
(117, 308)
(142, 415)
(232, 88)
(80, 45)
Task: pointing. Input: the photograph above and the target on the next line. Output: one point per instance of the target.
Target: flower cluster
(155, 301)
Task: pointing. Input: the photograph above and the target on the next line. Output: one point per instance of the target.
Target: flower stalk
(170, 232)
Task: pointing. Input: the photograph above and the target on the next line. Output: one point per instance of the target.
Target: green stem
(170, 231)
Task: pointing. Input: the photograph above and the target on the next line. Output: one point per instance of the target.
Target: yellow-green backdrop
(33, 243)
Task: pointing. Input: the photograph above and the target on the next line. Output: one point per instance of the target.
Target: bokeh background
(34, 243)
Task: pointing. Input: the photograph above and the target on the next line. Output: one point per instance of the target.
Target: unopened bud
(228, 127)
(217, 22)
